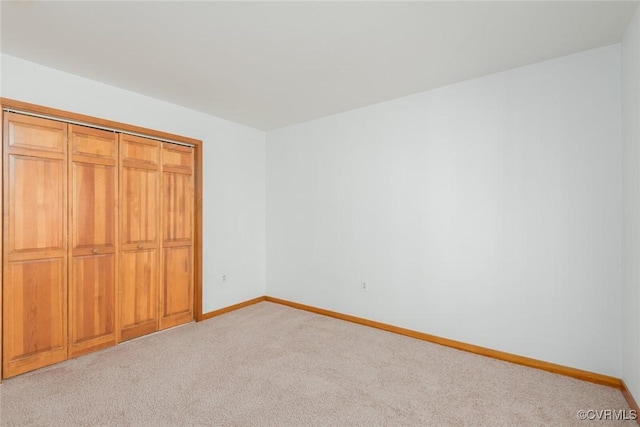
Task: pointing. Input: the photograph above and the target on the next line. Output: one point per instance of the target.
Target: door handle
(94, 251)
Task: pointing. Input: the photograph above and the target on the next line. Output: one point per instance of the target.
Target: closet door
(139, 235)
(176, 294)
(93, 187)
(35, 243)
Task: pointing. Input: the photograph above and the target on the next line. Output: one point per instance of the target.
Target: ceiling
(272, 64)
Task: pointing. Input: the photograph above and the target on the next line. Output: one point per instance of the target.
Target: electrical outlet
(364, 286)
(225, 279)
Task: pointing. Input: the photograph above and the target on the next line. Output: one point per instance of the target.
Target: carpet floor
(271, 365)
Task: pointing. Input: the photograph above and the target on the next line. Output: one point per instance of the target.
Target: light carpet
(271, 365)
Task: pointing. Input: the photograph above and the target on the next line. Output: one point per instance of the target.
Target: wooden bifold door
(93, 212)
(139, 243)
(34, 243)
(98, 239)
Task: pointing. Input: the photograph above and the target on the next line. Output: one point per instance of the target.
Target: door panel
(177, 156)
(94, 202)
(139, 206)
(176, 294)
(140, 151)
(93, 268)
(35, 243)
(177, 287)
(138, 293)
(35, 329)
(94, 143)
(92, 303)
(178, 205)
(139, 236)
(36, 204)
(33, 133)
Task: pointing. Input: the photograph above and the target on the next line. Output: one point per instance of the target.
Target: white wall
(486, 211)
(631, 206)
(233, 160)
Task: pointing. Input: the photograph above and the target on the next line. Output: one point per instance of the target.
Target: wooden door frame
(67, 116)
